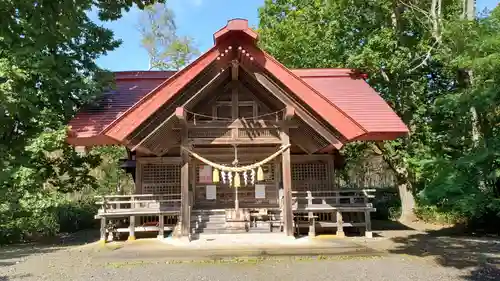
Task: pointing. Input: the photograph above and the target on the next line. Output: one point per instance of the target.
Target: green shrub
(433, 214)
(76, 215)
(387, 203)
(36, 217)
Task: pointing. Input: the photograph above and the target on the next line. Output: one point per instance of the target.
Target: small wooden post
(340, 224)
(161, 226)
(131, 229)
(312, 225)
(368, 225)
(103, 230)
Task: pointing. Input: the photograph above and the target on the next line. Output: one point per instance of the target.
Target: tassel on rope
(260, 174)
(236, 180)
(215, 175)
(245, 177)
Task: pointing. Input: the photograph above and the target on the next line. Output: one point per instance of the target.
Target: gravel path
(407, 255)
(84, 264)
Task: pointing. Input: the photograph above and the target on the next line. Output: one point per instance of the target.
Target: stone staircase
(219, 222)
(208, 221)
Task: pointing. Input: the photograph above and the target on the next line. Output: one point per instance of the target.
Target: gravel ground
(70, 265)
(88, 264)
(395, 255)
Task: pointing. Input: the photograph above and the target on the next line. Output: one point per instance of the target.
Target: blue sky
(198, 19)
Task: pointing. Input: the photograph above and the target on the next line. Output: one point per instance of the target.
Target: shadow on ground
(12, 254)
(480, 256)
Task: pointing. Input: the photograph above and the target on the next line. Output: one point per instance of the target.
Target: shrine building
(235, 142)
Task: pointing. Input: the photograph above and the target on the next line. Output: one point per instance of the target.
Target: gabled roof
(357, 99)
(341, 98)
(130, 86)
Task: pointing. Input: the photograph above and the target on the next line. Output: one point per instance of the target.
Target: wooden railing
(332, 198)
(138, 204)
(311, 207)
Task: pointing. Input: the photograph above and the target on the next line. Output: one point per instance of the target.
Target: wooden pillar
(368, 222)
(340, 224)
(138, 177)
(161, 226)
(287, 183)
(131, 229)
(103, 230)
(184, 189)
(184, 221)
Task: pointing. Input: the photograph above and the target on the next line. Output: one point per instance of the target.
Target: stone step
(208, 212)
(211, 218)
(212, 225)
(229, 231)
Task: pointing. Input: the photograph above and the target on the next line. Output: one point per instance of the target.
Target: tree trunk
(407, 202)
(404, 183)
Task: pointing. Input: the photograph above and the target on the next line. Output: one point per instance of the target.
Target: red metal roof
(355, 98)
(340, 97)
(130, 87)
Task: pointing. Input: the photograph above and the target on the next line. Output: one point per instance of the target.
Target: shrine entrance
(256, 188)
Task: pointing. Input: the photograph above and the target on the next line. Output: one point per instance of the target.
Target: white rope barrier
(236, 169)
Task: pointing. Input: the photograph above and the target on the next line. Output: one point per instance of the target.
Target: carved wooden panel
(258, 133)
(209, 133)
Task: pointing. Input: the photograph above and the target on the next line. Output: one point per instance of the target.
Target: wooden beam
(340, 224)
(228, 141)
(131, 229)
(287, 184)
(166, 121)
(180, 113)
(309, 158)
(159, 160)
(185, 223)
(235, 108)
(302, 113)
(161, 227)
(303, 141)
(289, 112)
(215, 81)
(368, 225)
(234, 69)
(244, 90)
(247, 123)
(103, 230)
(138, 177)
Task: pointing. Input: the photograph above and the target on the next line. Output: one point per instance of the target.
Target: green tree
(166, 49)
(415, 53)
(464, 173)
(47, 71)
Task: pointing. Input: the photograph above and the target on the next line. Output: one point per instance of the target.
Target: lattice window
(161, 178)
(309, 171)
